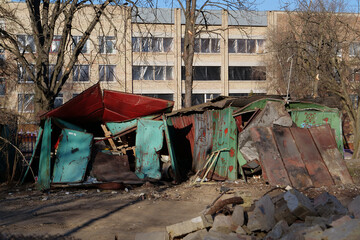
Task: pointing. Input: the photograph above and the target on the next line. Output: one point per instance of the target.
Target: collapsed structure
(108, 136)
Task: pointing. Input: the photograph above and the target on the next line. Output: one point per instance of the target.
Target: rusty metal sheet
(291, 157)
(73, 155)
(270, 158)
(325, 142)
(310, 155)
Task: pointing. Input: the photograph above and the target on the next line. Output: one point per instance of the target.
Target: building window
(165, 96)
(203, 73)
(152, 73)
(246, 45)
(76, 40)
(107, 44)
(156, 44)
(238, 94)
(107, 73)
(81, 73)
(2, 87)
(51, 71)
(26, 102)
(354, 49)
(247, 73)
(23, 75)
(26, 43)
(59, 100)
(204, 45)
(55, 44)
(199, 98)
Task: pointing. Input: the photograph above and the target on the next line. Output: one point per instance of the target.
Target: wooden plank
(310, 155)
(270, 158)
(291, 157)
(108, 134)
(326, 144)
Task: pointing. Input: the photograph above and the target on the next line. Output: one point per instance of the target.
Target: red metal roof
(112, 106)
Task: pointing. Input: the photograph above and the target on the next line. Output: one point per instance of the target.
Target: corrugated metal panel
(310, 118)
(315, 166)
(291, 157)
(170, 147)
(203, 139)
(72, 156)
(270, 159)
(149, 140)
(330, 154)
(45, 158)
(247, 18)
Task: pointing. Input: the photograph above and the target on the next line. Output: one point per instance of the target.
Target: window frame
(21, 102)
(78, 68)
(105, 69)
(28, 40)
(75, 40)
(145, 72)
(104, 43)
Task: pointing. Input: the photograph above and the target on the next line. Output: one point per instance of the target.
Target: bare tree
(316, 48)
(44, 22)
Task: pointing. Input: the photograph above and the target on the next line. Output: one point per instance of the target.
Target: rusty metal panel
(225, 137)
(291, 157)
(325, 142)
(171, 151)
(312, 118)
(45, 158)
(315, 166)
(149, 141)
(203, 139)
(72, 156)
(270, 158)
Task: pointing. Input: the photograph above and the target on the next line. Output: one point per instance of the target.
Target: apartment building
(141, 53)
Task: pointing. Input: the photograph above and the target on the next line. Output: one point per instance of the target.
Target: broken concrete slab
(213, 235)
(299, 204)
(314, 220)
(347, 231)
(262, 218)
(238, 215)
(189, 226)
(160, 235)
(280, 229)
(198, 235)
(223, 224)
(327, 205)
(354, 207)
(282, 211)
(340, 221)
(298, 231)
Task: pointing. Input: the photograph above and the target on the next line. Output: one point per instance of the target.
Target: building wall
(170, 25)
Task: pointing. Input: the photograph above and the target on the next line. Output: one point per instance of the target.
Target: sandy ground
(104, 214)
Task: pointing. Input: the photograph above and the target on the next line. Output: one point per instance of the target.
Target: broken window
(152, 73)
(81, 73)
(23, 76)
(107, 73)
(76, 40)
(2, 87)
(55, 44)
(26, 43)
(59, 100)
(26, 102)
(107, 44)
(203, 73)
(247, 73)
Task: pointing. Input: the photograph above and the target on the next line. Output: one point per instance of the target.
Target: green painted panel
(118, 127)
(259, 104)
(304, 105)
(171, 150)
(72, 156)
(149, 140)
(33, 154)
(309, 118)
(225, 137)
(45, 158)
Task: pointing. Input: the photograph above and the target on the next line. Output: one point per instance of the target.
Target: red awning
(112, 106)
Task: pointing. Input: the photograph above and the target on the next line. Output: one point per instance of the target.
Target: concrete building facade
(141, 53)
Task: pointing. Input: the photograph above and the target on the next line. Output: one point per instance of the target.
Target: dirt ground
(81, 213)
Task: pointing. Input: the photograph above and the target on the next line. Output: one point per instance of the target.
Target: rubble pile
(280, 214)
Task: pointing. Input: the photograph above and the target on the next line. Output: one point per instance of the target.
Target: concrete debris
(354, 207)
(262, 221)
(161, 235)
